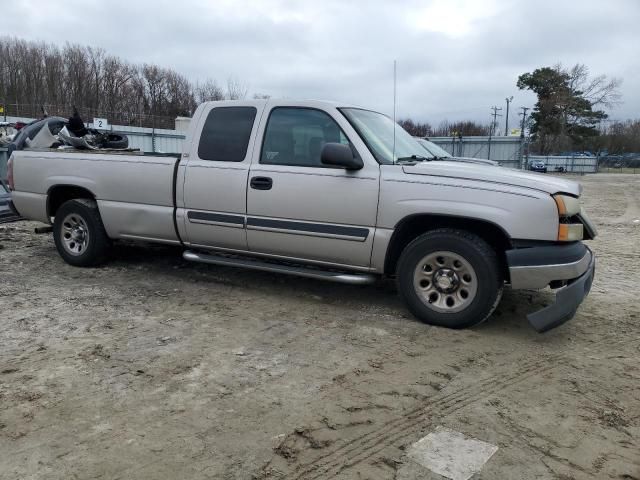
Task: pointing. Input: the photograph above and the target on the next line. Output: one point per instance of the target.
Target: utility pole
(492, 128)
(506, 121)
(524, 119)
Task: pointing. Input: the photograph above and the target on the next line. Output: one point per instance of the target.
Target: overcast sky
(455, 58)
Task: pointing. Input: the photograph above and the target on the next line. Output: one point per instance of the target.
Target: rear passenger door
(215, 181)
(299, 208)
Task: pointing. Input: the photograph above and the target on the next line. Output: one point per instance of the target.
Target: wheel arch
(58, 194)
(412, 226)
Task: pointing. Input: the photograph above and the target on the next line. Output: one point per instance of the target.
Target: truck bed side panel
(134, 192)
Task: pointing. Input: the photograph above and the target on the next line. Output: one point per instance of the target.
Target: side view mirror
(340, 155)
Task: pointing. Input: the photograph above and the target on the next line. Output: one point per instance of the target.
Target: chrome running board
(300, 271)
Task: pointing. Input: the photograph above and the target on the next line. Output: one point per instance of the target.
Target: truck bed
(135, 192)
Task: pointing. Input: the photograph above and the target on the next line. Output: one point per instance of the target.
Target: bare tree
(208, 91)
(179, 97)
(34, 74)
(463, 128)
(95, 60)
(236, 90)
(116, 88)
(599, 90)
(416, 129)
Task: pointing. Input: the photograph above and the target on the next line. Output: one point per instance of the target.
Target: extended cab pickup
(325, 191)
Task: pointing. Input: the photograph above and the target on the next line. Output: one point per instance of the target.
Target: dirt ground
(153, 368)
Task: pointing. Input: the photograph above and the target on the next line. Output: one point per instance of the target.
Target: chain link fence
(131, 118)
(627, 163)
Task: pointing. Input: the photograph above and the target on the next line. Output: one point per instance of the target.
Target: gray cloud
(455, 58)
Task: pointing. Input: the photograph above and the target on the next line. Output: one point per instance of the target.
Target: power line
(493, 126)
(524, 119)
(494, 115)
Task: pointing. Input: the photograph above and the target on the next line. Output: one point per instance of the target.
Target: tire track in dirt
(394, 431)
(631, 213)
(368, 445)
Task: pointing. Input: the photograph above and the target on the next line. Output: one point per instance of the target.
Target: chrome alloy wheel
(75, 234)
(445, 282)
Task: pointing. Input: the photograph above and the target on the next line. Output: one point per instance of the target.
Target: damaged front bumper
(572, 266)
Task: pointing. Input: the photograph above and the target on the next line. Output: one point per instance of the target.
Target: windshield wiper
(414, 158)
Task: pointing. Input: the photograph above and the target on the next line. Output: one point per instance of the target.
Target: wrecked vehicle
(7, 212)
(7, 133)
(39, 133)
(325, 191)
(57, 132)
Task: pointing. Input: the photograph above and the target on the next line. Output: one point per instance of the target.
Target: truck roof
(287, 101)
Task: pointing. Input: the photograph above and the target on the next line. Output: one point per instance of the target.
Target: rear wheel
(79, 234)
(450, 278)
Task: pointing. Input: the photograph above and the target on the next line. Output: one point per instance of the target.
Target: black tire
(116, 141)
(485, 266)
(82, 213)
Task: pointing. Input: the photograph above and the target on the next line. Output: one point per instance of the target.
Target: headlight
(568, 207)
(570, 232)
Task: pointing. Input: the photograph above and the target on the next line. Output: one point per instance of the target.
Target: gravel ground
(152, 368)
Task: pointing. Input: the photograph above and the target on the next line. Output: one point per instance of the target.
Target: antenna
(394, 111)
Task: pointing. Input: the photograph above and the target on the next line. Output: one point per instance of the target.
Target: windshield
(376, 130)
(434, 149)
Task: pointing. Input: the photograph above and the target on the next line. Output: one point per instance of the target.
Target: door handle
(261, 183)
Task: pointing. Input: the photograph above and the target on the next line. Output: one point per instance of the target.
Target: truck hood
(485, 173)
(477, 161)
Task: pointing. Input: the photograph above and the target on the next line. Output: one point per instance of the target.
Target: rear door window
(226, 133)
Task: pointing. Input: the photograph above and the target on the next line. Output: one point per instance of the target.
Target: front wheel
(79, 234)
(450, 278)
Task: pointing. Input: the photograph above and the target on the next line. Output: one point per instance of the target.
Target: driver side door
(301, 209)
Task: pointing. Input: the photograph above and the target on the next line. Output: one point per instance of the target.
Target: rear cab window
(226, 133)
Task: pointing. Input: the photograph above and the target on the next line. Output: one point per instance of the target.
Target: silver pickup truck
(326, 191)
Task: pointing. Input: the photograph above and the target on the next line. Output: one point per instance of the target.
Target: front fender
(522, 213)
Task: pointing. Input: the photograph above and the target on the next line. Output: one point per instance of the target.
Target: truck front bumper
(572, 266)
